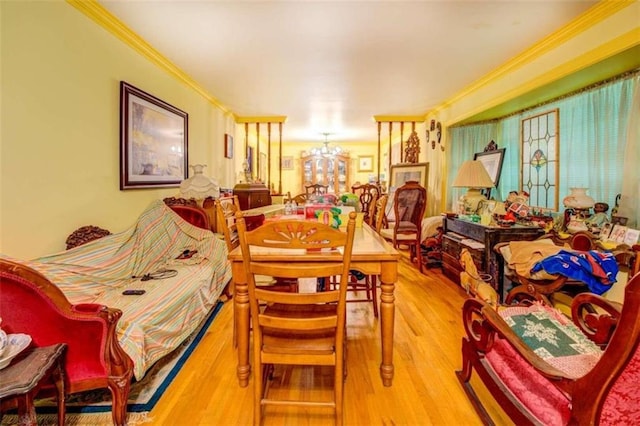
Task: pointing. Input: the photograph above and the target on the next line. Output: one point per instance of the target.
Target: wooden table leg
(57, 377)
(26, 410)
(241, 315)
(388, 277)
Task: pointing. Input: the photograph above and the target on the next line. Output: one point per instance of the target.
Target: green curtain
(599, 131)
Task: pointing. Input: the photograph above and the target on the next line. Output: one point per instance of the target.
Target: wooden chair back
(316, 189)
(410, 201)
(300, 199)
(226, 209)
(297, 328)
(367, 194)
(379, 213)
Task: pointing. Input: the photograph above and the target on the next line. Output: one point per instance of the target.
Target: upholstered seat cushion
(554, 338)
(388, 234)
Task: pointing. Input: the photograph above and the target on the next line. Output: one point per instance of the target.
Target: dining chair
(316, 189)
(409, 202)
(359, 282)
(226, 209)
(367, 194)
(379, 213)
(297, 328)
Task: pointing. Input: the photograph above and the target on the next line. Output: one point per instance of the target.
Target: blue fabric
(596, 269)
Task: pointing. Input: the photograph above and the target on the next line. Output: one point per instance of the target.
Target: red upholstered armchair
(568, 379)
(94, 359)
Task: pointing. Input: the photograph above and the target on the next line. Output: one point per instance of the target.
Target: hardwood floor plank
(425, 391)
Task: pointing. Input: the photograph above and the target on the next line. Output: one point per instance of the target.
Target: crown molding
(96, 12)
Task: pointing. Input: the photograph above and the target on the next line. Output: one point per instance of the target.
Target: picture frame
(365, 163)
(287, 163)
(401, 173)
(631, 237)
(617, 234)
(492, 161)
(228, 146)
(153, 141)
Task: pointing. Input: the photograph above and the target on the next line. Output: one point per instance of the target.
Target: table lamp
(474, 176)
(199, 186)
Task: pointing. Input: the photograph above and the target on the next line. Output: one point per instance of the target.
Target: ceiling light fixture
(325, 151)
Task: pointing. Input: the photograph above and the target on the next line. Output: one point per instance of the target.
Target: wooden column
(401, 141)
(280, 160)
(390, 152)
(379, 128)
(269, 156)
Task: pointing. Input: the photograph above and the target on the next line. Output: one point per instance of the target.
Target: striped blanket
(155, 323)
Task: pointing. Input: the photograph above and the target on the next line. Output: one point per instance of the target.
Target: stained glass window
(539, 138)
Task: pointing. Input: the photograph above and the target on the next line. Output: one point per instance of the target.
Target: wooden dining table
(371, 255)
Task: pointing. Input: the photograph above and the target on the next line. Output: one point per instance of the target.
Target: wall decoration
(250, 159)
(539, 164)
(492, 161)
(262, 173)
(287, 163)
(365, 163)
(153, 141)
(401, 173)
(228, 146)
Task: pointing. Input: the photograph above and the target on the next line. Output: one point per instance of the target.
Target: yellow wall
(610, 28)
(60, 127)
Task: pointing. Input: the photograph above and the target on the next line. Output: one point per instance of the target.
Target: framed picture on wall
(153, 141)
(492, 161)
(228, 146)
(401, 173)
(365, 163)
(287, 163)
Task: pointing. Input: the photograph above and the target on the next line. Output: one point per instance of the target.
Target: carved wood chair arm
(587, 313)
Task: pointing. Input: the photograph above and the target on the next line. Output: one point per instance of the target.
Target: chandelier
(325, 151)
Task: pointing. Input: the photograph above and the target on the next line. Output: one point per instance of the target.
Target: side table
(480, 240)
(21, 380)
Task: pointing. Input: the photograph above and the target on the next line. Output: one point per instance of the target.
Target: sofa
(76, 297)
(545, 369)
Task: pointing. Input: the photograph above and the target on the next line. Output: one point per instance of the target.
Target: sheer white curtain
(599, 137)
(630, 201)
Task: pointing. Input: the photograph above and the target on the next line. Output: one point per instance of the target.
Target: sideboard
(480, 240)
(252, 195)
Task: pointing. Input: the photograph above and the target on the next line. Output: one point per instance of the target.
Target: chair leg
(338, 384)
(374, 294)
(258, 392)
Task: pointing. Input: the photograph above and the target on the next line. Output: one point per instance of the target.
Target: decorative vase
(578, 199)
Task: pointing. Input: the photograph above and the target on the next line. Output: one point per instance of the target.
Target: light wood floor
(425, 391)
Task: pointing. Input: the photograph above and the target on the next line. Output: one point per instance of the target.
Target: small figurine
(600, 217)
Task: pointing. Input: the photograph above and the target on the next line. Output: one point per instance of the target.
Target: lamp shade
(472, 174)
(199, 186)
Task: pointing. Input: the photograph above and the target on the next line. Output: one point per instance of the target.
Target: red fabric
(24, 309)
(193, 215)
(543, 400)
(622, 405)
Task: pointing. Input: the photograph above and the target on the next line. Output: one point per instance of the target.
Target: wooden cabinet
(332, 171)
(252, 195)
(480, 240)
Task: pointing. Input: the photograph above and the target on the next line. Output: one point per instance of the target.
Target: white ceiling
(330, 66)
